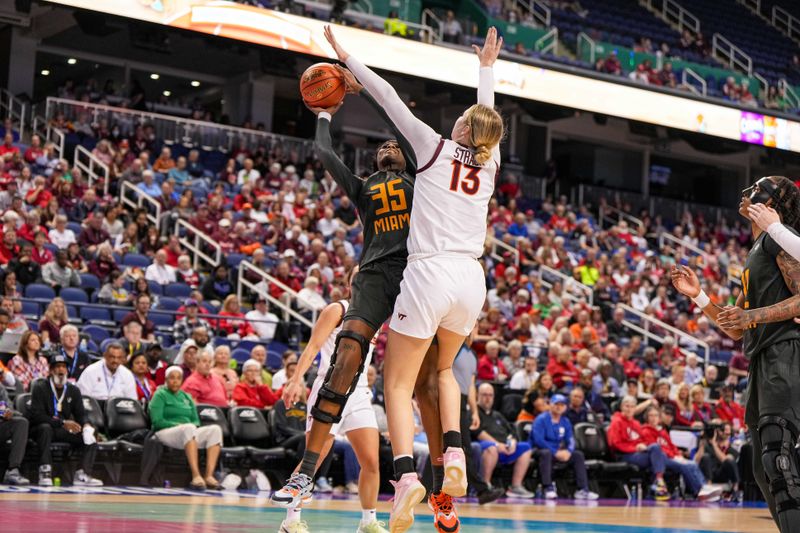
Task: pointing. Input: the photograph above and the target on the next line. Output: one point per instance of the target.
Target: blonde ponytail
(486, 130)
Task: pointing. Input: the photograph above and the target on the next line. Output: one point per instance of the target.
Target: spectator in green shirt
(174, 418)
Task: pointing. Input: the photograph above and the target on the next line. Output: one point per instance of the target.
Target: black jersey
(762, 286)
(383, 199)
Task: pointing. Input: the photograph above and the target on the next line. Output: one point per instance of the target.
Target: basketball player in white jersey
(443, 287)
(358, 422)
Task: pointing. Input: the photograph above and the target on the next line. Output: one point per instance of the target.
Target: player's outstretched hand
(292, 392)
(685, 280)
(491, 48)
(329, 110)
(732, 317)
(350, 82)
(340, 53)
(763, 216)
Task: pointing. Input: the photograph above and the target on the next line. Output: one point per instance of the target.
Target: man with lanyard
(77, 361)
(57, 415)
(132, 340)
(108, 378)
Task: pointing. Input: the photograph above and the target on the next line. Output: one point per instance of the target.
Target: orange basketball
(321, 85)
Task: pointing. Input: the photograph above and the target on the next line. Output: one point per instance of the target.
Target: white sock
(293, 515)
(368, 516)
(396, 457)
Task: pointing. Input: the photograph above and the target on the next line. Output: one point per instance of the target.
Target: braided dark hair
(789, 205)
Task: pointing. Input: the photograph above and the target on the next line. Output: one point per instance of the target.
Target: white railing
(547, 43)
(539, 10)
(15, 109)
(752, 5)
(730, 54)
(614, 215)
(764, 84)
(196, 241)
(684, 246)
(171, 129)
(134, 197)
(689, 73)
(573, 289)
(259, 289)
(790, 94)
(674, 13)
(495, 244)
(434, 23)
(55, 136)
(584, 38)
(786, 22)
(94, 169)
(649, 321)
(365, 6)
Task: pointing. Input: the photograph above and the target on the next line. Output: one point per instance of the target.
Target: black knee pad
(780, 460)
(337, 397)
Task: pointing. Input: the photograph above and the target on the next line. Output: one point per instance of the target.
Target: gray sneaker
(45, 477)
(584, 494)
(13, 477)
(519, 492)
(82, 479)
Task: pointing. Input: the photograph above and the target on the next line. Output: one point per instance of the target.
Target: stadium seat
(155, 288)
(31, 309)
(275, 352)
(511, 405)
(95, 416)
(70, 294)
(136, 260)
(96, 315)
(240, 356)
(162, 320)
(120, 314)
(235, 259)
(169, 304)
(125, 416)
(249, 429)
(90, 282)
(40, 291)
(177, 290)
(75, 227)
(210, 415)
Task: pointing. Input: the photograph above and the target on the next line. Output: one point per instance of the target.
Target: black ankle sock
(452, 439)
(309, 464)
(403, 465)
(438, 477)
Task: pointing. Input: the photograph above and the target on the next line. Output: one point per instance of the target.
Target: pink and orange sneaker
(455, 472)
(445, 517)
(408, 492)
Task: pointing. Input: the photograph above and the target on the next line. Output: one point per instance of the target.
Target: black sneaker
(490, 495)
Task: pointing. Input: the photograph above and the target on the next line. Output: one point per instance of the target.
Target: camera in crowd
(709, 430)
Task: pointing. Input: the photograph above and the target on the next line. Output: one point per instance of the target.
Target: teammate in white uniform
(443, 287)
(358, 421)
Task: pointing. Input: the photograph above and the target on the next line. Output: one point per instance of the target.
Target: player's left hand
(732, 317)
(330, 110)
(350, 82)
(476, 422)
(491, 48)
(763, 216)
(340, 53)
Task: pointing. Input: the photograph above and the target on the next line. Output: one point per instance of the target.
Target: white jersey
(451, 203)
(328, 348)
(452, 192)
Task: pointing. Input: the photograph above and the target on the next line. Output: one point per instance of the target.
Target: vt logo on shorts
(401, 316)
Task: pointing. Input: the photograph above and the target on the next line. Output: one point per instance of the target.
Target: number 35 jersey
(452, 202)
(384, 206)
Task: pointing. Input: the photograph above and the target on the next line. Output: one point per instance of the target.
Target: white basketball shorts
(358, 412)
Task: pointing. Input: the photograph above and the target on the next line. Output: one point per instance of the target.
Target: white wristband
(702, 299)
(324, 115)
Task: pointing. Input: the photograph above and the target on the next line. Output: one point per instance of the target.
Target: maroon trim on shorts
(433, 159)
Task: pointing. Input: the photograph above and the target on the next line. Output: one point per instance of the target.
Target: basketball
(321, 85)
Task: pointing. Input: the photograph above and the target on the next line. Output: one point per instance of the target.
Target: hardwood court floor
(138, 510)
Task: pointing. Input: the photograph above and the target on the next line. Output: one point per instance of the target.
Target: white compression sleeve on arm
(486, 86)
(786, 239)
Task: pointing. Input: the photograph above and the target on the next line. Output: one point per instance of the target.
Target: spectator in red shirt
(562, 369)
(9, 249)
(251, 391)
(39, 196)
(7, 149)
(205, 386)
(173, 250)
(235, 327)
(284, 275)
(34, 151)
(490, 367)
(41, 255)
(728, 410)
(612, 65)
(27, 232)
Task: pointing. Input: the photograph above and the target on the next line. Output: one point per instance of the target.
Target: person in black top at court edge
(763, 317)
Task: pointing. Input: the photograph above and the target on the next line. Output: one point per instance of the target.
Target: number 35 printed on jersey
(466, 176)
(392, 212)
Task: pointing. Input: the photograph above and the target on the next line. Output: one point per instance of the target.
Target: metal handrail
(786, 22)
(192, 241)
(13, 108)
(726, 51)
(649, 320)
(763, 82)
(676, 14)
(266, 277)
(141, 198)
(621, 215)
(783, 84)
(689, 73)
(666, 236)
(552, 46)
(592, 44)
(568, 282)
(539, 10)
(752, 5)
(429, 18)
(90, 168)
(496, 243)
(57, 137)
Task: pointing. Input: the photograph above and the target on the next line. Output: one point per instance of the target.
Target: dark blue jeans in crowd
(653, 458)
(351, 467)
(691, 473)
(576, 460)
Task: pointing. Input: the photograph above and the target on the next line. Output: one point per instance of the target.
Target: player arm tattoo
(341, 174)
(789, 308)
(712, 311)
(405, 146)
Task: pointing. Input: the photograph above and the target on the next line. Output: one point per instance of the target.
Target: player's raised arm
(422, 138)
(487, 56)
(686, 282)
(768, 220)
(324, 148)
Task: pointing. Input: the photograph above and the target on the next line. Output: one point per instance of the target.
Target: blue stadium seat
(136, 260)
(75, 227)
(169, 304)
(52, 247)
(240, 356)
(31, 308)
(71, 294)
(96, 333)
(90, 281)
(155, 288)
(162, 319)
(235, 259)
(177, 290)
(39, 291)
(119, 314)
(94, 314)
(275, 354)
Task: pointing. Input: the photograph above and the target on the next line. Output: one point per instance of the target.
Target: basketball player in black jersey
(763, 318)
